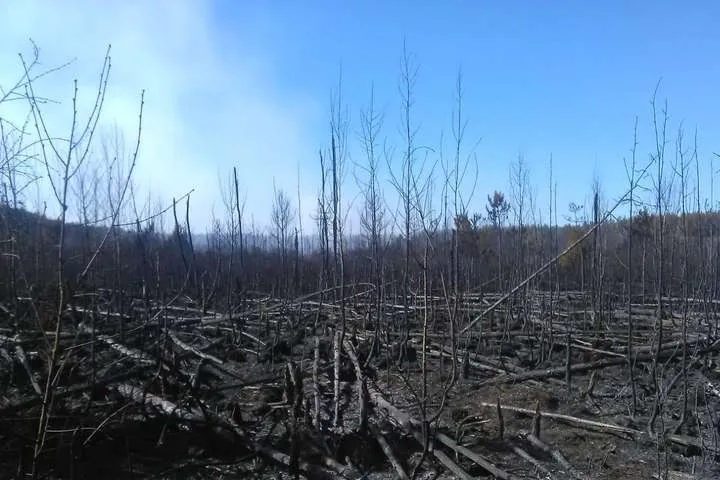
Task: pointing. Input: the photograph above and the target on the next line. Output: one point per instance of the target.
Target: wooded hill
(490, 259)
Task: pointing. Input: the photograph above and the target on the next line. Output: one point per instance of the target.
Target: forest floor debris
(261, 393)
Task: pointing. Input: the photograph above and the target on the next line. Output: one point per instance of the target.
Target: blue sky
(249, 84)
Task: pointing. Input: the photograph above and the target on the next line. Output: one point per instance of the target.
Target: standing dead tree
(660, 186)
(282, 218)
(62, 158)
(372, 214)
(631, 174)
(61, 165)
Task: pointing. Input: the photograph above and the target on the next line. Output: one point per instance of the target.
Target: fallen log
(137, 355)
(610, 428)
(559, 457)
(170, 409)
(534, 461)
(189, 348)
(387, 450)
(576, 421)
(475, 457)
(411, 425)
(588, 366)
(443, 458)
(59, 393)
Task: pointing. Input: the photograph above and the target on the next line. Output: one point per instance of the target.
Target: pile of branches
(157, 389)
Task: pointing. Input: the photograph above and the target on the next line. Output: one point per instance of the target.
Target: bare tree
(282, 220)
(372, 215)
(239, 210)
(519, 190)
(658, 157)
(681, 170)
(61, 165)
(631, 173)
(402, 182)
(339, 126)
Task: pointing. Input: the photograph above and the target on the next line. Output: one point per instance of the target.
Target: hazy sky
(249, 84)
